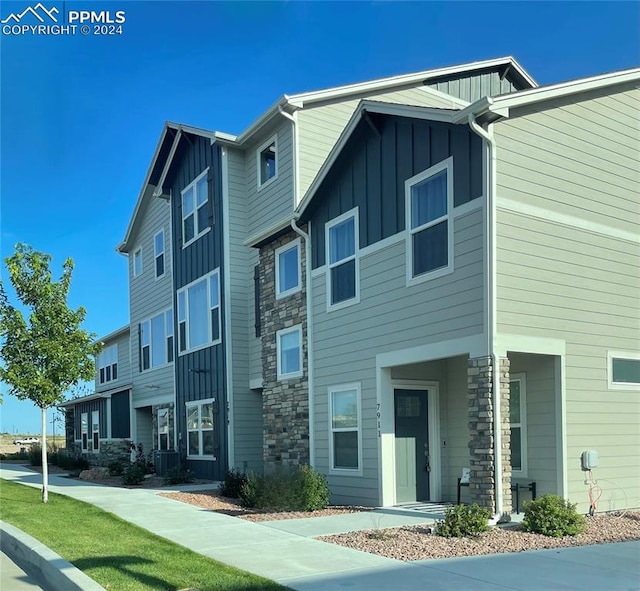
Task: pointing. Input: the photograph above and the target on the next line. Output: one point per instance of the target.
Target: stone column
(507, 497)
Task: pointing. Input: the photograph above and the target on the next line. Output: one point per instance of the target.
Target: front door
(412, 445)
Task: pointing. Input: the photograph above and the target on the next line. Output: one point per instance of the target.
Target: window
(200, 441)
(194, 209)
(267, 162)
(344, 427)
(137, 262)
(199, 313)
(288, 269)
(164, 438)
(342, 260)
(158, 250)
(256, 300)
(289, 346)
(108, 364)
(84, 430)
(95, 430)
(156, 341)
(517, 423)
(429, 200)
(623, 370)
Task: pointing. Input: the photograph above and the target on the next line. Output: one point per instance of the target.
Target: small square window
(267, 161)
(137, 262)
(289, 346)
(288, 269)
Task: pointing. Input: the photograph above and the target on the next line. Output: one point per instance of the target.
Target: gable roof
(162, 157)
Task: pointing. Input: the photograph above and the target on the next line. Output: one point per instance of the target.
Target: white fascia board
(264, 234)
(115, 334)
(544, 93)
(261, 121)
(176, 140)
(304, 99)
(95, 395)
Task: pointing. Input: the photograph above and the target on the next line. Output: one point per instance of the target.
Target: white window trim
(447, 165)
(93, 449)
(293, 244)
(166, 336)
(184, 289)
(100, 366)
(168, 411)
(285, 331)
(355, 213)
(342, 388)
(136, 252)
(199, 403)
(157, 254)
(193, 184)
(272, 140)
(633, 355)
(522, 378)
(84, 414)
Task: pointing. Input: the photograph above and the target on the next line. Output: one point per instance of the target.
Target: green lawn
(118, 555)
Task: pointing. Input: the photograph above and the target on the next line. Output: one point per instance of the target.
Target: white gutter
(490, 293)
(307, 258)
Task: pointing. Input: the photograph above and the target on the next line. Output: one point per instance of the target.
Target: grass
(118, 555)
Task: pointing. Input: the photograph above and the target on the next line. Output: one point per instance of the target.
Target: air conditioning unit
(165, 460)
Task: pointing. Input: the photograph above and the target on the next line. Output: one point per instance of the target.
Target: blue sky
(80, 115)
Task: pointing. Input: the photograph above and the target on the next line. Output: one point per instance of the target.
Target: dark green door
(412, 445)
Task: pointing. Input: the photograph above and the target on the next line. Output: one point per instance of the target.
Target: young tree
(43, 356)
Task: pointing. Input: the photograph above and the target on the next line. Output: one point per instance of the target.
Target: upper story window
(158, 251)
(343, 274)
(624, 370)
(199, 313)
(289, 352)
(137, 262)
(267, 162)
(195, 212)
(429, 201)
(156, 341)
(288, 269)
(108, 364)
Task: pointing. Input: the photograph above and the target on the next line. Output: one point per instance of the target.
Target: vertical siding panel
(388, 173)
(421, 155)
(375, 211)
(461, 177)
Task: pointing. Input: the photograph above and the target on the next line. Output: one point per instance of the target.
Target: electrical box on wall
(589, 459)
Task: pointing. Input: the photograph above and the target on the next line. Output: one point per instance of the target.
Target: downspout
(490, 248)
(307, 258)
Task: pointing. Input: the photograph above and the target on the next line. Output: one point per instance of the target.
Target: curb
(44, 564)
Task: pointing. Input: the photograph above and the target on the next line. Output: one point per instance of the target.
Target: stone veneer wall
(480, 377)
(109, 451)
(285, 403)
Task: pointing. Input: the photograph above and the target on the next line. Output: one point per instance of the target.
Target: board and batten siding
(200, 374)
(273, 201)
(247, 404)
(149, 297)
(474, 87)
(320, 127)
(390, 316)
(124, 364)
(569, 268)
(120, 415)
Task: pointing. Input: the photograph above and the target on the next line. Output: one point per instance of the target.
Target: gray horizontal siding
(390, 316)
(124, 364)
(274, 201)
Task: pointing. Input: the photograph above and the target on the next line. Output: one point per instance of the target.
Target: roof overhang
(115, 334)
(95, 396)
(260, 237)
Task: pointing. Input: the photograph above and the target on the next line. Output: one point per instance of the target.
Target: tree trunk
(45, 467)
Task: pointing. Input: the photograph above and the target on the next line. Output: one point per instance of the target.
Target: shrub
(551, 515)
(35, 454)
(304, 489)
(232, 484)
(115, 468)
(177, 475)
(464, 520)
(133, 474)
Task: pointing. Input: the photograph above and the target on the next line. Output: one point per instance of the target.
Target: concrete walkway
(285, 552)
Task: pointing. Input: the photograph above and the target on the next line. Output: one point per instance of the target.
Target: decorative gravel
(418, 543)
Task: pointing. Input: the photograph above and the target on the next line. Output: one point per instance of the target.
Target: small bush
(143, 461)
(304, 489)
(464, 520)
(178, 475)
(232, 484)
(551, 515)
(115, 468)
(133, 474)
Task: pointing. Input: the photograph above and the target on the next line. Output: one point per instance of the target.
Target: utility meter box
(589, 459)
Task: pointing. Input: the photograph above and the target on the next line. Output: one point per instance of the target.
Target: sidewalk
(285, 552)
